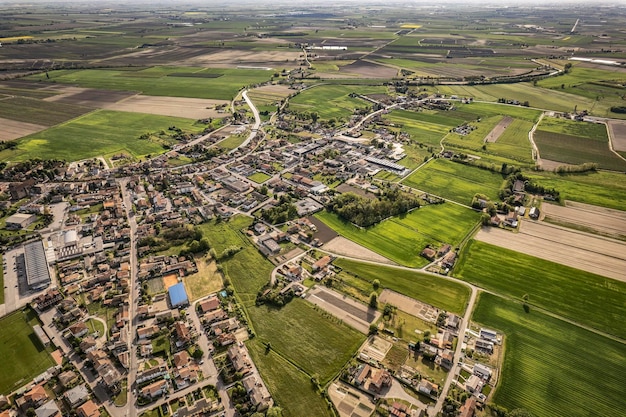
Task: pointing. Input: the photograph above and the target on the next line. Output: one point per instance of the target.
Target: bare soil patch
(347, 188)
(617, 129)
(604, 220)
(369, 69)
(580, 250)
(342, 246)
(499, 129)
(12, 129)
(170, 280)
(190, 108)
(352, 312)
(232, 58)
(324, 233)
(89, 97)
(273, 90)
(550, 165)
(410, 305)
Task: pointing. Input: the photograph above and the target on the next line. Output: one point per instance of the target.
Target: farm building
(20, 221)
(534, 213)
(37, 273)
(178, 295)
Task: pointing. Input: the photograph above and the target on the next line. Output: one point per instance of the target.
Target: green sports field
(101, 132)
(23, 356)
(553, 368)
(586, 298)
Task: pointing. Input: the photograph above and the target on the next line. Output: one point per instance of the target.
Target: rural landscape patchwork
(312, 209)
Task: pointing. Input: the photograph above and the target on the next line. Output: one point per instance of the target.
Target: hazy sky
(309, 3)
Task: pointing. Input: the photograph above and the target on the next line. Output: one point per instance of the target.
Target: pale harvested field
(190, 108)
(618, 134)
(369, 69)
(353, 313)
(275, 90)
(580, 250)
(232, 58)
(342, 246)
(549, 165)
(497, 131)
(12, 129)
(89, 97)
(409, 305)
(604, 220)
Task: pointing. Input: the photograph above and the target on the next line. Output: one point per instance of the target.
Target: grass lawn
(221, 84)
(402, 238)
(434, 290)
(291, 388)
(248, 270)
(454, 181)
(206, 281)
(553, 368)
(23, 355)
(409, 328)
(259, 177)
(102, 132)
(607, 189)
(581, 296)
(303, 334)
(233, 141)
(95, 326)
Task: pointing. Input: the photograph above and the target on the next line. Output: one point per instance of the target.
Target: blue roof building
(178, 295)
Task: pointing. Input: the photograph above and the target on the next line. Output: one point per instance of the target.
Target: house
(321, 263)
(89, 409)
(258, 393)
(448, 260)
(534, 213)
(77, 395)
(78, 330)
(181, 359)
(155, 389)
(428, 253)
(452, 321)
(484, 345)
(240, 360)
(210, 304)
(482, 371)
(49, 409)
(67, 378)
(152, 374)
(33, 398)
(488, 334)
(468, 408)
(473, 384)
(428, 388)
(147, 332)
(182, 332)
(443, 250)
(88, 344)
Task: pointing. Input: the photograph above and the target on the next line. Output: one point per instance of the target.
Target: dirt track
(602, 256)
(604, 220)
(342, 246)
(12, 129)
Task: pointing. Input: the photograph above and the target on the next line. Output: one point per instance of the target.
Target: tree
(373, 329)
(376, 284)
(197, 353)
(268, 347)
(519, 412)
(374, 300)
(274, 412)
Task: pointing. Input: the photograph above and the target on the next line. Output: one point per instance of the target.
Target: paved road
(257, 122)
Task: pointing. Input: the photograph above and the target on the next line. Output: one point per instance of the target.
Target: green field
(586, 298)
(434, 290)
(455, 181)
(102, 132)
(574, 142)
(475, 139)
(286, 383)
(23, 355)
(514, 143)
(233, 141)
(422, 127)
(248, 270)
(607, 189)
(221, 84)
(303, 334)
(474, 110)
(402, 238)
(553, 368)
(333, 101)
(46, 113)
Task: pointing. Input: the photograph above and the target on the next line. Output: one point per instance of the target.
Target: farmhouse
(89, 409)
